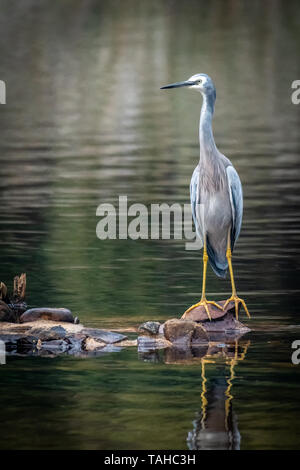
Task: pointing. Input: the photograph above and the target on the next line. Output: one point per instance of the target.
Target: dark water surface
(85, 122)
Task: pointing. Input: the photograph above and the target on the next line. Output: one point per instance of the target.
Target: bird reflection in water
(216, 425)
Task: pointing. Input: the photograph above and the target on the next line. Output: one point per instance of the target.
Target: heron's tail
(219, 265)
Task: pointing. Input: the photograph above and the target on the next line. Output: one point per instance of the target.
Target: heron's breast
(217, 207)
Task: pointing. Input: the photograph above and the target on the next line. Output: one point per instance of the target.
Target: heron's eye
(199, 82)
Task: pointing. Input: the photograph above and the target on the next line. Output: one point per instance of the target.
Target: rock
(103, 335)
(90, 344)
(179, 330)
(151, 327)
(6, 313)
(56, 332)
(199, 314)
(184, 332)
(225, 324)
(52, 314)
(199, 335)
(45, 337)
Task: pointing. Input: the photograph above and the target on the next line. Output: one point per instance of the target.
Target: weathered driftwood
(3, 292)
(19, 288)
(12, 306)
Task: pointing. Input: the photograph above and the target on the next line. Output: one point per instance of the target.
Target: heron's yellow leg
(234, 297)
(203, 301)
(203, 393)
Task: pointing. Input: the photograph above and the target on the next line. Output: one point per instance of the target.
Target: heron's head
(199, 82)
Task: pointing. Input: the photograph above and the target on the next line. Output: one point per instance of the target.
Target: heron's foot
(204, 303)
(234, 298)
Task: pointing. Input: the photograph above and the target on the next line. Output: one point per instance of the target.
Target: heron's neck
(206, 137)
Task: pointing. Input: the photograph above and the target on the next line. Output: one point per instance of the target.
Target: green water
(85, 122)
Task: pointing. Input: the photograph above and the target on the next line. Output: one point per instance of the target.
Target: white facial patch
(196, 77)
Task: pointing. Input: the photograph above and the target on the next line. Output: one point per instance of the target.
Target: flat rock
(52, 314)
(49, 334)
(199, 314)
(105, 336)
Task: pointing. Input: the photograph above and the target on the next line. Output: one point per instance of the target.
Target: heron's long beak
(178, 84)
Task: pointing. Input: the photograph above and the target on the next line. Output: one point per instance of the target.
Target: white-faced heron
(216, 196)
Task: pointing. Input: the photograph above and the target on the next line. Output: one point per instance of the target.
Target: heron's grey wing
(236, 201)
(194, 193)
